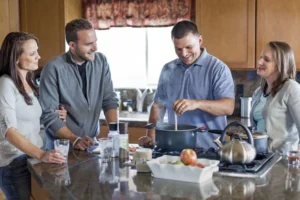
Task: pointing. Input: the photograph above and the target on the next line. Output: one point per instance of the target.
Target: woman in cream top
(19, 115)
(277, 67)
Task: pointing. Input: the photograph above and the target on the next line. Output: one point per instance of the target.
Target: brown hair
(74, 26)
(184, 27)
(11, 50)
(285, 62)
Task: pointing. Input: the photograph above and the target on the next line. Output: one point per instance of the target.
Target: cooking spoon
(175, 115)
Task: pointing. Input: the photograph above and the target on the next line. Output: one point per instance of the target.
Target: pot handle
(250, 138)
(200, 129)
(215, 131)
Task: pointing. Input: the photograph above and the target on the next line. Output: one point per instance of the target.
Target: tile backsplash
(245, 84)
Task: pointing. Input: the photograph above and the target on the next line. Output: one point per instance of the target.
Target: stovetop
(257, 168)
(253, 167)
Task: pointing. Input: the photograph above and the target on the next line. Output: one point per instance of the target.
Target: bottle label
(124, 143)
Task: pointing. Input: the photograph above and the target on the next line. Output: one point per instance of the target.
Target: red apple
(188, 156)
(200, 165)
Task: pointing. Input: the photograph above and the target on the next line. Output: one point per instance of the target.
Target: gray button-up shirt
(61, 84)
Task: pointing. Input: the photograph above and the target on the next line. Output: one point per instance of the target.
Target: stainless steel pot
(237, 151)
(169, 139)
(260, 141)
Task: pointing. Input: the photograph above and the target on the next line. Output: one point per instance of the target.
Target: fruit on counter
(178, 162)
(198, 165)
(188, 156)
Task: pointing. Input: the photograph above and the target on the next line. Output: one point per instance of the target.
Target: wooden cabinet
(236, 31)
(9, 17)
(37, 192)
(228, 29)
(278, 20)
(46, 20)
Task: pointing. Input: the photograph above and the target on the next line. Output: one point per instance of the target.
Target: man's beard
(80, 56)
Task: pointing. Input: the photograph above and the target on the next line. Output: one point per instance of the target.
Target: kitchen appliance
(236, 150)
(245, 106)
(258, 168)
(260, 139)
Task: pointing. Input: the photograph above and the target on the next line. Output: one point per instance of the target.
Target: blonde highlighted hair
(285, 62)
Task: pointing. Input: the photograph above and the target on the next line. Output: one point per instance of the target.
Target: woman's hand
(53, 156)
(62, 113)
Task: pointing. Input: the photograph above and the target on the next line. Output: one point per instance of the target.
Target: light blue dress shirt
(207, 79)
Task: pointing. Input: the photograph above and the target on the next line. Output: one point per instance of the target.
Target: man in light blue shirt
(197, 86)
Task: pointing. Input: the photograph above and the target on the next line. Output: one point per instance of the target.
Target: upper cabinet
(278, 20)
(46, 19)
(9, 17)
(228, 30)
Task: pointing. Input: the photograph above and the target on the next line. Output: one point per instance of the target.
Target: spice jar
(140, 158)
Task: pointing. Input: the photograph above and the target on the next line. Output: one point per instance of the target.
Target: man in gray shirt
(79, 80)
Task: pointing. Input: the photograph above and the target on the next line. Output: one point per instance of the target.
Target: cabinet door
(228, 30)
(9, 17)
(45, 19)
(278, 20)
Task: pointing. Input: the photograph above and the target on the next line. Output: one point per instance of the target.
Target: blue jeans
(15, 179)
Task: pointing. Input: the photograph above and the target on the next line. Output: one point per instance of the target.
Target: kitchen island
(86, 177)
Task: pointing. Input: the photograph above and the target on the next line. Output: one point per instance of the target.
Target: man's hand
(62, 113)
(84, 143)
(146, 141)
(180, 106)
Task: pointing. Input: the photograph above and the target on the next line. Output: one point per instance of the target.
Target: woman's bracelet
(74, 143)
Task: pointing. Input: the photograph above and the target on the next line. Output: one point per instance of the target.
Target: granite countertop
(86, 177)
(140, 119)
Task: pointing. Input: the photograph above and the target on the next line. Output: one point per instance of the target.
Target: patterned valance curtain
(137, 13)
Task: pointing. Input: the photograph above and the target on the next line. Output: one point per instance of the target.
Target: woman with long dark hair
(20, 114)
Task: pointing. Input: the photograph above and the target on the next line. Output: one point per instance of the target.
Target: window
(136, 55)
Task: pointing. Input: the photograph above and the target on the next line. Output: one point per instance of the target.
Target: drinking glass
(108, 172)
(286, 148)
(292, 181)
(63, 147)
(61, 174)
(106, 148)
(293, 158)
(291, 152)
